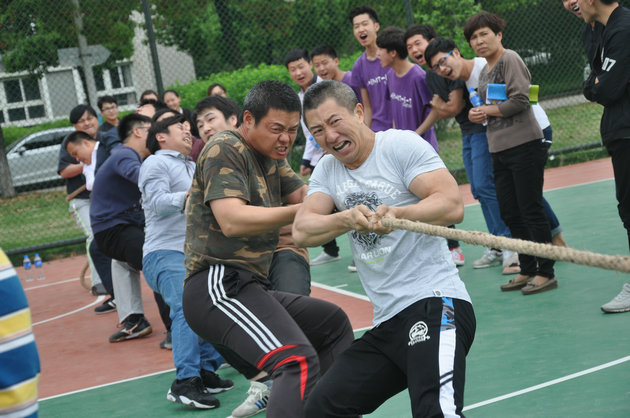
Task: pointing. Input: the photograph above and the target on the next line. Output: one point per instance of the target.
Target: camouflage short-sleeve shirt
(229, 167)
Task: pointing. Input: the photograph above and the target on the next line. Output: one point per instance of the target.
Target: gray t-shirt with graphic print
(400, 268)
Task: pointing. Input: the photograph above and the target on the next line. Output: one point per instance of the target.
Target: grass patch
(35, 218)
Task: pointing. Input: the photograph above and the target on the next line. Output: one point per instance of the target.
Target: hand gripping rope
(587, 258)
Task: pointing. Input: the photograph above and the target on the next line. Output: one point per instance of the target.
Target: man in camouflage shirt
(235, 209)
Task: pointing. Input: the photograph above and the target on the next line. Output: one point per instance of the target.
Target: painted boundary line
(98, 300)
(51, 284)
(340, 291)
(548, 383)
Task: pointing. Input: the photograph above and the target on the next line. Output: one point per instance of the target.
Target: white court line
(131, 379)
(98, 300)
(548, 383)
(51, 284)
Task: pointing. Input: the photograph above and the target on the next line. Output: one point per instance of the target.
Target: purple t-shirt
(409, 99)
(371, 76)
(347, 79)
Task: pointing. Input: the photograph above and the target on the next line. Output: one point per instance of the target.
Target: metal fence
(57, 55)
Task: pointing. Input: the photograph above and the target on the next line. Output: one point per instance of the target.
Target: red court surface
(73, 341)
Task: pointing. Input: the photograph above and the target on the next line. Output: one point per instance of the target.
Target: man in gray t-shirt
(424, 321)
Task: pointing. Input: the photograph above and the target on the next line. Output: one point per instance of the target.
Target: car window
(44, 140)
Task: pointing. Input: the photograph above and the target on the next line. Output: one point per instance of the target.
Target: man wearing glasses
(109, 109)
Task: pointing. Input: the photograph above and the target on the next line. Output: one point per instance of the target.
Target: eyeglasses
(110, 108)
(442, 61)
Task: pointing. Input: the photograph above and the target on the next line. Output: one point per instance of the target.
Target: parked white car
(34, 158)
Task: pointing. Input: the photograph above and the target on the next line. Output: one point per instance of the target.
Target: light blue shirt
(165, 178)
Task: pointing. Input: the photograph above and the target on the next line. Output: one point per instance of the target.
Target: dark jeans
(619, 151)
(331, 248)
(518, 178)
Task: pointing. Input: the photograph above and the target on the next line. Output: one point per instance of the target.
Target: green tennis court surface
(549, 355)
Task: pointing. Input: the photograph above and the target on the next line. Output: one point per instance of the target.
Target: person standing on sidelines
(519, 152)
(609, 85)
(424, 323)
(367, 73)
(237, 203)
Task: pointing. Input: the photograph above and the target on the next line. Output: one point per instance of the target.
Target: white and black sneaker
(214, 383)
(106, 307)
(133, 327)
(192, 392)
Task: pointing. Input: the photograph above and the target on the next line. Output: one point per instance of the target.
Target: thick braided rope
(609, 262)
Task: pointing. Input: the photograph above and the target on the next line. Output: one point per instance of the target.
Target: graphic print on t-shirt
(372, 201)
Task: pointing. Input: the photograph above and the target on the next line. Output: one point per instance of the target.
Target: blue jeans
(164, 272)
(478, 165)
(554, 223)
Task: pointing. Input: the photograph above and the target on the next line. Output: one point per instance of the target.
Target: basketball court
(552, 354)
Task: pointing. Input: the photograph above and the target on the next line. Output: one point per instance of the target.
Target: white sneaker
(490, 258)
(324, 258)
(256, 401)
(352, 267)
(620, 303)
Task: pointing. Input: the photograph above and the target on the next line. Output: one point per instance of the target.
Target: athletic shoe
(620, 303)
(167, 343)
(256, 401)
(99, 290)
(213, 382)
(352, 267)
(458, 256)
(324, 258)
(132, 329)
(510, 262)
(490, 258)
(106, 307)
(192, 392)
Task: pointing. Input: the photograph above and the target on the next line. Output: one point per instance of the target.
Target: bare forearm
(430, 120)
(312, 230)
(72, 170)
(249, 220)
(436, 209)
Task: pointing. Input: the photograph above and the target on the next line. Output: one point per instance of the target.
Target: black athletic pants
(422, 348)
(291, 337)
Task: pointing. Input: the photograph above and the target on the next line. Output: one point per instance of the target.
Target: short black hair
(426, 31)
(157, 104)
(438, 45)
(393, 39)
(148, 93)
(105, 99)
(169, 91)
(213, 85)
(163, 111)
(128, 123)
(295, 55)
(330, 89)
(483, 20)
(78, 111)
(324, 50)
(226, 106)
(271, 94)
(76, 137)
(161, 127)
(363, 10)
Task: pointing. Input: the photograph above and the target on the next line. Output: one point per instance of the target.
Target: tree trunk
(6, 184)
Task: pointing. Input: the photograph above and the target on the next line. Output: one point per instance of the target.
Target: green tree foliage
(31, 31)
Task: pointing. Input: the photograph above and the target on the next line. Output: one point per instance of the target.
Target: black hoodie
(611, 66)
